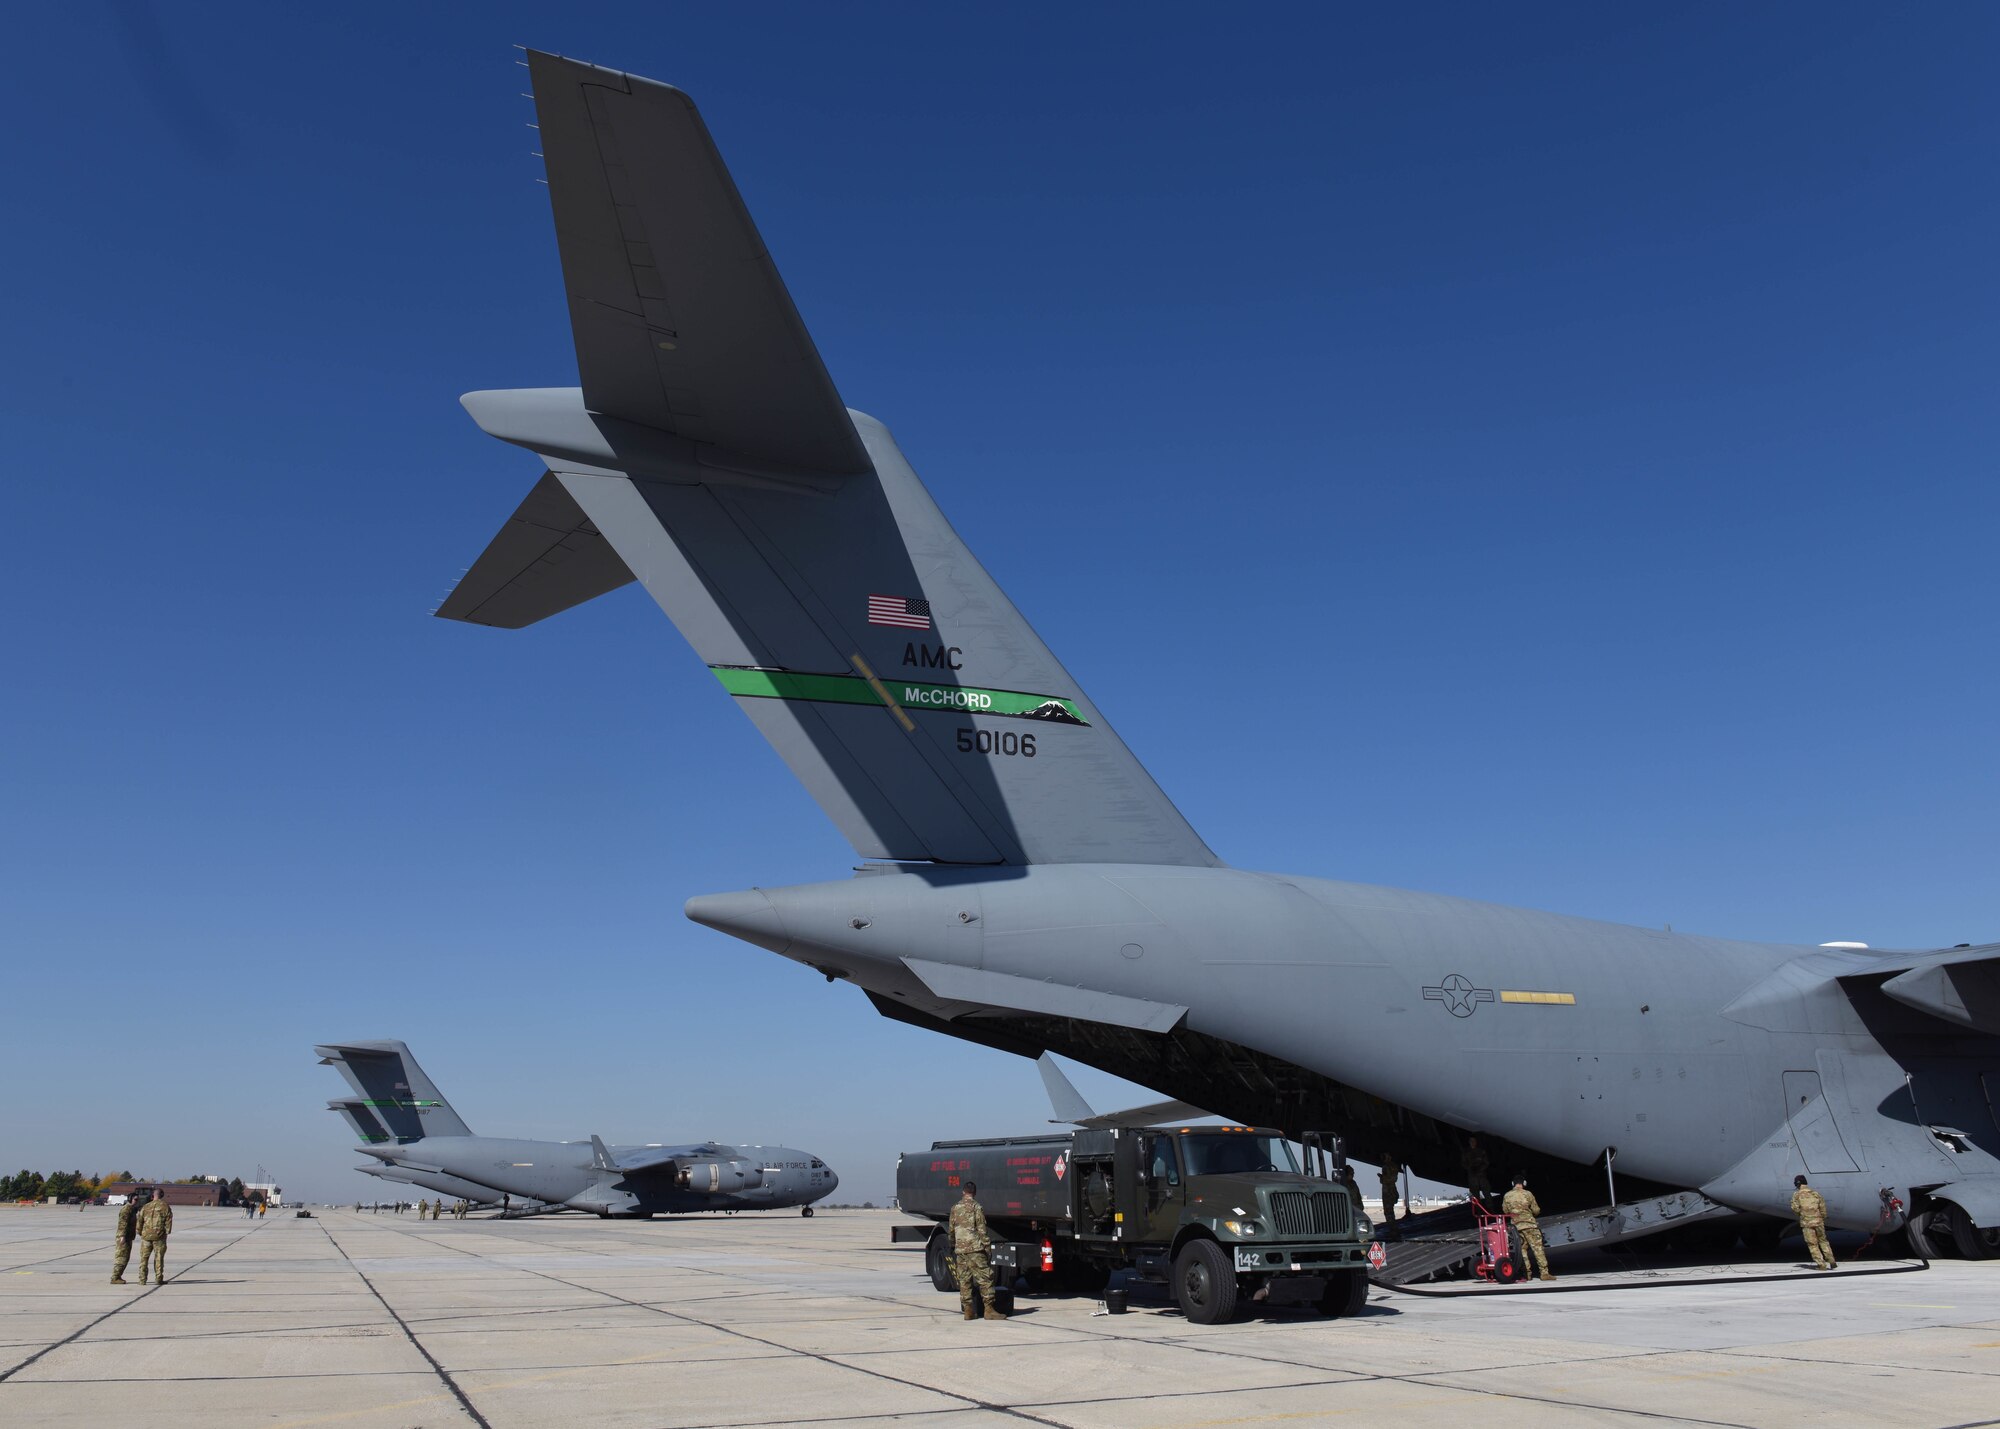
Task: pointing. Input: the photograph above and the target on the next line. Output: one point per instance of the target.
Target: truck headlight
(1246, 1229)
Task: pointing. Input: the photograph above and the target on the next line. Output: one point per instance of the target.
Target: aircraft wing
(1070, 1106)
(1956, 985)
(642, 1159)
(681, 321)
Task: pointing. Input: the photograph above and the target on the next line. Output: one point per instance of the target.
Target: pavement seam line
(430, 1359)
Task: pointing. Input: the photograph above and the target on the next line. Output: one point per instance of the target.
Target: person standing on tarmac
(128, 1228)
(971, 1250)
(1810, 1207)
(156, 1223)
(1522, 1207)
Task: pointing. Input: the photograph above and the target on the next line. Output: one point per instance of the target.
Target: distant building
(274, 1194)
(202, 1193)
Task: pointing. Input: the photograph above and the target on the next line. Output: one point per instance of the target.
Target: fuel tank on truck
(1022, 1177)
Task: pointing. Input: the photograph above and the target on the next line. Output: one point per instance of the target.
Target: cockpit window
(818, 1165)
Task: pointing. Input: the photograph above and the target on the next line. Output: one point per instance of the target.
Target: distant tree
(63, 1184)
(867, 1205)
(235, 1191)
(255, 1193)
(125, 1176)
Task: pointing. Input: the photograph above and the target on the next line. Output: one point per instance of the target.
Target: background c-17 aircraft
(424, 1142)
(1040, 892)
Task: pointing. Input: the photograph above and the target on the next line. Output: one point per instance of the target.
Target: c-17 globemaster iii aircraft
(426, 1138)
(1041, 892)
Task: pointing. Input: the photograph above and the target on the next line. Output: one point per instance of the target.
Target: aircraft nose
(749, 915)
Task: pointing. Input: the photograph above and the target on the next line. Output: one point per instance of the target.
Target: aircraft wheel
(1967, 1238)
(1924, 1232)
(1346, 1293)
(938, 1264)
(1205, 1283)
(805, 1210)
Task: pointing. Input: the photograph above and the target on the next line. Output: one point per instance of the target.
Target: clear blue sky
(1558, 442)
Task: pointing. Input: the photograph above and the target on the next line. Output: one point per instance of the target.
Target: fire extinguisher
(1048, 1257)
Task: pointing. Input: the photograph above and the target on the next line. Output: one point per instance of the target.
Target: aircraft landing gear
(805, 1210)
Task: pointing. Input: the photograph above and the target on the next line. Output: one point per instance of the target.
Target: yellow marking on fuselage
(1541, 999)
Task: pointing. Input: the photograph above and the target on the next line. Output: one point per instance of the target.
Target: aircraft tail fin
(707, 454)
(390, 1084)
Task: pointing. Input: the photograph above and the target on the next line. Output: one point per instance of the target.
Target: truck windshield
(1221, 1154)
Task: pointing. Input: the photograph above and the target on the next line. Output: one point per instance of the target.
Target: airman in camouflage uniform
(971, 1248)
(128, 1227)
(1476, 1164)
(1522, 1207)
(1389, 1172)
(1810, 1207)
(156, 1223)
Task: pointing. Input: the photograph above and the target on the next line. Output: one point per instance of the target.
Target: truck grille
(1318, 1213)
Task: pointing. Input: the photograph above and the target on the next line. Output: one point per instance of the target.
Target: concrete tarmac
(378, 1320)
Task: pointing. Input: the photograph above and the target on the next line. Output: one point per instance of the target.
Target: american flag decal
(899, 611)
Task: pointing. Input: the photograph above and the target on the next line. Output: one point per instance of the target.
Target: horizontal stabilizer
(547, 558)
(681, 321)
(368, 1126)
(1046, 999)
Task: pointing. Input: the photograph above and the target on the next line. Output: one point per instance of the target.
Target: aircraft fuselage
(1407, 1020)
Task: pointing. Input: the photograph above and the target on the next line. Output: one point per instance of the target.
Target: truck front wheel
(938, 1264)
(1205, 1282)
(1346, 1293)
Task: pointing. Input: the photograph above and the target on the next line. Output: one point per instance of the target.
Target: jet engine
(732, 1175)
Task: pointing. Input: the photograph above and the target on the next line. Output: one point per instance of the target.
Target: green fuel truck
(1221, 1214)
